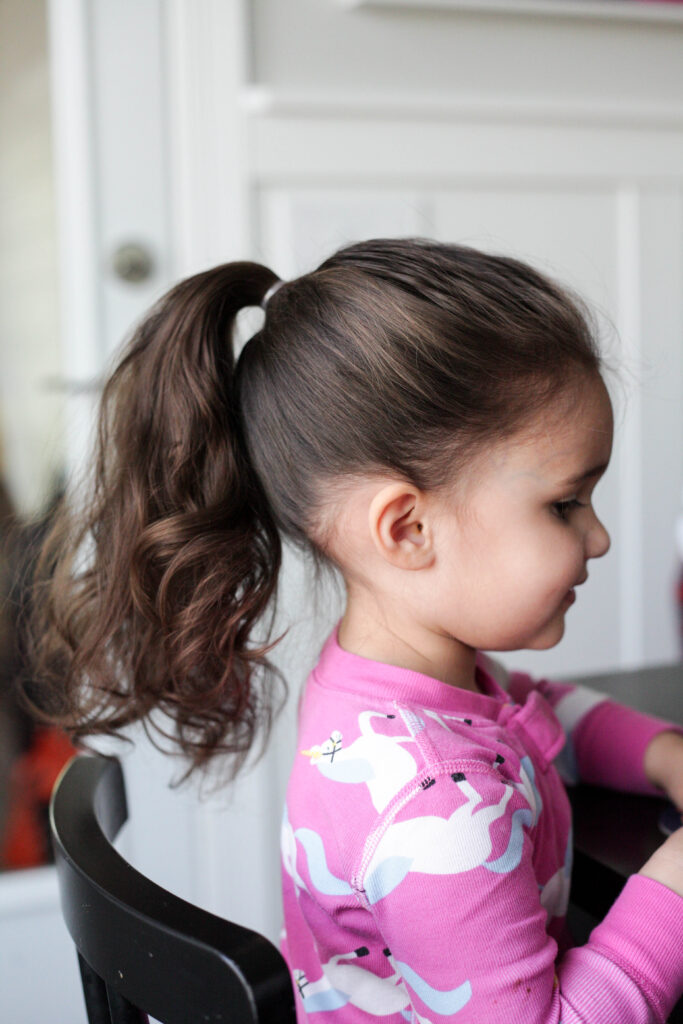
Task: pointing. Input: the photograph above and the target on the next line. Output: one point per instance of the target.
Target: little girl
(432, 421)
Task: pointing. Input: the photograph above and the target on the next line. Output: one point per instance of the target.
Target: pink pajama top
(426, 851)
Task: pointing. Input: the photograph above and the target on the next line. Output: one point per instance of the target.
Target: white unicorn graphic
(345, 983)
(321, 877)
(373, 758)
(449, 846)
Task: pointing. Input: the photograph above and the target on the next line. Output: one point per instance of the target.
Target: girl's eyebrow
(582, 477)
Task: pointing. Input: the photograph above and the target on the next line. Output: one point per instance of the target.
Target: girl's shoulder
(362, 750)
(373, 773)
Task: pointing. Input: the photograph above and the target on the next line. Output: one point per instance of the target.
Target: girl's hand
(663, 765)
(666, 863)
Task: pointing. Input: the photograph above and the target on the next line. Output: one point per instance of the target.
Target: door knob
(132, 262)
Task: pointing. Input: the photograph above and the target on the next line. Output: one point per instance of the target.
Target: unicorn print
(344, 982)
(321, 877)
(523, 817)
(373, 758)
(443, 720)
(444, 1003)
(288, 851)
(435, 846)
(528, 789)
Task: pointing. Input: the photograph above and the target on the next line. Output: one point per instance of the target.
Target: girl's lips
(570, 596)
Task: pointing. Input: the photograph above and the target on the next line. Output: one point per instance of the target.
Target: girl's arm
(607, 743)
(663, 764)
(466, 928)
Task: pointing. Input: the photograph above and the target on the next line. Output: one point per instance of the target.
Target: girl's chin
(550, 636)
(546, 636)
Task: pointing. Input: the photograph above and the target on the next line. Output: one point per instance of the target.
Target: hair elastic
(269, 294)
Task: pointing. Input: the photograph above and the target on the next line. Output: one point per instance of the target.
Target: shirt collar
(342, 670)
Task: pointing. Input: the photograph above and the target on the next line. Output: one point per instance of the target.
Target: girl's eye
(563, 508)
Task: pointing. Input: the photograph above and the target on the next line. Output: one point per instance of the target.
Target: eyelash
(562, 508)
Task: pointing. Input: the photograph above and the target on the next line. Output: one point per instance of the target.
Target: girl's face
(510, 555)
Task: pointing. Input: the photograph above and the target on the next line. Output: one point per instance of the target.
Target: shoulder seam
(423, 780)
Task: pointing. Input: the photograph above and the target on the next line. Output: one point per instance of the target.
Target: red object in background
(25, 843)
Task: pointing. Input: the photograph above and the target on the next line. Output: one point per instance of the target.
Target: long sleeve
(466, 931)
(606, 741)
(648, 953)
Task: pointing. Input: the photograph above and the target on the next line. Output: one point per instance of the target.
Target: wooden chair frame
(141, 949)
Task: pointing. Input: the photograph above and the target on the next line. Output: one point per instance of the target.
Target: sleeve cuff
(643, 934)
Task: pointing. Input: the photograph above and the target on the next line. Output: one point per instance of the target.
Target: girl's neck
(408, 645)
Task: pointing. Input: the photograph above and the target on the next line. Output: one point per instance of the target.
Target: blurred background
(143, 140)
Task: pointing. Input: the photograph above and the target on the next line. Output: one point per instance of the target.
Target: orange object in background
(25, 843)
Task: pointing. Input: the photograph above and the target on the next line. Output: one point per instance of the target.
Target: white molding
(620, 10)
(207, 49)
(73, 128)
(409, 153)
(77, 204)
(630, 327)
(262, 102)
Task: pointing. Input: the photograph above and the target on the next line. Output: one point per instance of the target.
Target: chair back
(142, 950)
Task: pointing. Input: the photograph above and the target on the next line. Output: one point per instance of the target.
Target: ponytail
(153, 595)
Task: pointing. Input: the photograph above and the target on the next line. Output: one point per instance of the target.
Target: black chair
(142, 950)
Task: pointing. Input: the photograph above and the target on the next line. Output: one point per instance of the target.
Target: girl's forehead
(565, 440)
(576, 436)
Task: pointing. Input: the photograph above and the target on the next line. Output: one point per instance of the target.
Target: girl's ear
(400, 527)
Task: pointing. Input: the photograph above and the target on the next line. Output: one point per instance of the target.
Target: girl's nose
(597, 540)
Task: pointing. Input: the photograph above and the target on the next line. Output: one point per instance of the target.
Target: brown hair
(399, 355)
